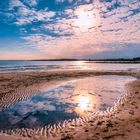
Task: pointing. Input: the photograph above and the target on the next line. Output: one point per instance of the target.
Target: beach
(122, 121)
(69, 70)
(119, 122)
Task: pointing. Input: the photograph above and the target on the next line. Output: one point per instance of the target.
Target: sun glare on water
(84, 103)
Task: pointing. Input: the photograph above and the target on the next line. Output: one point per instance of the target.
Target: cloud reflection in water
(65, 101)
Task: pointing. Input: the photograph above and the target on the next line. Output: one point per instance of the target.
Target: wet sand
(119, 122)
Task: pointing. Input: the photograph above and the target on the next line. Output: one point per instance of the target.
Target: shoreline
(9, 82)
(123, 123)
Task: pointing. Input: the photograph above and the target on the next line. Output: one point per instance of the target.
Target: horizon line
(74, 59)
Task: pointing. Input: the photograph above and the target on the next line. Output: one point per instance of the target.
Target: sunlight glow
(85, 19)
(84, 103)
(81, 65)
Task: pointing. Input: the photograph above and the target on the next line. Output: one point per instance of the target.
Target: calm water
(6, 66)
(67, 100)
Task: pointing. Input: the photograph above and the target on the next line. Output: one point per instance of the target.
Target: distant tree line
(137, 59)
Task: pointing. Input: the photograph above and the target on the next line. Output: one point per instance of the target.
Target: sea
(20, 66)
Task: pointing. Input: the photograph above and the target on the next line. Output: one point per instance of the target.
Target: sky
(56, 29)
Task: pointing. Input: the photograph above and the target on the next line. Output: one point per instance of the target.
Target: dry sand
(117, 123)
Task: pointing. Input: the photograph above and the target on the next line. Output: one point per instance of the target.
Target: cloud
(68, 47)
(15, 3)
(21, 14)
(29, 16)
(71, 28)
(30, 3)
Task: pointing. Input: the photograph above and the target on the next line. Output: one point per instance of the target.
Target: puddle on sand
(65, 101)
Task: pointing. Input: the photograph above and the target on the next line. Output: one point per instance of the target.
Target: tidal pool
(65, 101)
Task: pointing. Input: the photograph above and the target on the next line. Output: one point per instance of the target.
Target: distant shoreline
(136, 60)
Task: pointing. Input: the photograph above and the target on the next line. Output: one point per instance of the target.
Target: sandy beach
(122, 121)
(69, 70)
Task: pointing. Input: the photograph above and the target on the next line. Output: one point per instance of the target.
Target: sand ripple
(128, 104)
(55, 130)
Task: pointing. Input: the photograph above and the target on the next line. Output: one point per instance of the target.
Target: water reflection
(65, 101)
(64, 65)
(84, 103)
